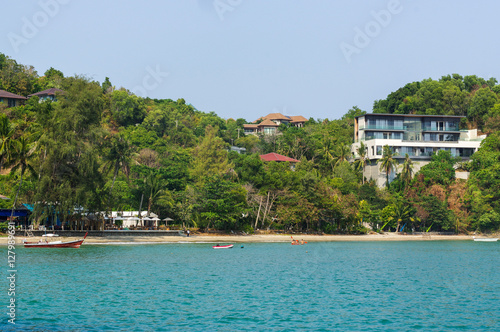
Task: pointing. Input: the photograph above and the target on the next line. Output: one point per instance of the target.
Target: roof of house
(267, 123)
(277, 157)
(48, 92)
(5, 94)
(252, 126)
(276, 116)
(298, 118)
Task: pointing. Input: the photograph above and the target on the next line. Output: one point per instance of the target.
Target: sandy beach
(211, 238)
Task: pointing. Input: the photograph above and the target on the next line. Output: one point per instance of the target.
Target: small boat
(485, 239)
(227, 246)
(55, 244)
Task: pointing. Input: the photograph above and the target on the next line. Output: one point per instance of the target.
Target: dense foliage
(100, 149)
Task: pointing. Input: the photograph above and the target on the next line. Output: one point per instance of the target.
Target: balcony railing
(439, 129)
(405, 128)
(381, 127)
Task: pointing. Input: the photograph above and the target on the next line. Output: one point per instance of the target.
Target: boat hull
(71, 244)
(55, 244)
(229, 246)
(486, 240)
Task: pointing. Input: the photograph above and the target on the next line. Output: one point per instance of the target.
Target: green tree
(127, 109)
(221, 203)
(441, 168)
(6, 134)
(362, 160)
(118, 157)
(210, 157)
(387, 163)
(481, 103)
(21, 160)
(407, 170)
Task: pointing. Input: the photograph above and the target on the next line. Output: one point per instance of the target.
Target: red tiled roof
(298, 118)
(276, 116)
(277, 157)
(267, 123)
(48, 92)
(250, 126)
(5, 94)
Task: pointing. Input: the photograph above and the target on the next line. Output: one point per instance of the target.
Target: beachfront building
(11, 99)
(268, 125)
(49, 94)
(419, 136)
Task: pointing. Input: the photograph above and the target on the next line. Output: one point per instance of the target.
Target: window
(269, 130)
(11, 102)
(379, 150)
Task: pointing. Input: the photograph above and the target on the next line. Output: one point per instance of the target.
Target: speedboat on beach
(55, 244)
(227, 246)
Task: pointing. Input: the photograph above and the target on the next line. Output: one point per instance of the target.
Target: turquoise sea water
(339, 286)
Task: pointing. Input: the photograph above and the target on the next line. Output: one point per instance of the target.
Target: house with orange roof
(268, 124)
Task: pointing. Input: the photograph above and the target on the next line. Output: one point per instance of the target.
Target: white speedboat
(485, 239)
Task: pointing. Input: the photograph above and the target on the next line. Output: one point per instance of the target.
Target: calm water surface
(344, 286)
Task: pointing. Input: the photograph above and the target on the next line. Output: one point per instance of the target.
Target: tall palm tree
(388, 163)
(22, 153)
(361, 162)
(326, 151)
(118, 158)
(341, 154)
(407, 170)
(6, 132)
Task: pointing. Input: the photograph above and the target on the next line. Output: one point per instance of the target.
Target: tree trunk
(17, 195)
(258, 213)
(265, 211)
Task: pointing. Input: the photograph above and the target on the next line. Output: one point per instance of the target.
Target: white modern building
(419, 136)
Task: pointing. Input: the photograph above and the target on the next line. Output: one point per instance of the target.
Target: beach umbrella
(146, 219)
(167, 220)
(155, 219)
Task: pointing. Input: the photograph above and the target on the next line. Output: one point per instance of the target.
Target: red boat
(55, 244)
(228, 246)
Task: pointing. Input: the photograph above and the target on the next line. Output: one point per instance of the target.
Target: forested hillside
(101, 148)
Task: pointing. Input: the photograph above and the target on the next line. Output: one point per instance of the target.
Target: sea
(329, 286)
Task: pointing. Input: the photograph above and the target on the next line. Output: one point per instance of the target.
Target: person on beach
(187, 232)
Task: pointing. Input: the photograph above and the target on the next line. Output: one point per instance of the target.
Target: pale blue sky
(247, 58)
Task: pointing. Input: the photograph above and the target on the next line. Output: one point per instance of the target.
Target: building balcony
(370, 127)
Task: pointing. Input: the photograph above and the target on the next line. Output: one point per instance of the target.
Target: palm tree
(407, 170)
(153, 185)
(22, 153)
(361, 162)
(326, 151)
(402, 213)
(6, 132)
(388, 163)
(341, 154)
(118, 158)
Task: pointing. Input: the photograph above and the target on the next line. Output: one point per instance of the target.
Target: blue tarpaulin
(17, 213)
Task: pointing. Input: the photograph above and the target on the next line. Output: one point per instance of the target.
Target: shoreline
(266, 238)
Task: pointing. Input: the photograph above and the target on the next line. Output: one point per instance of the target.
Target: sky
(247, 58)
